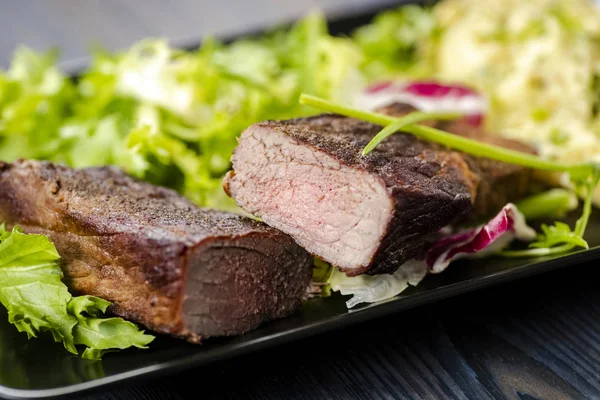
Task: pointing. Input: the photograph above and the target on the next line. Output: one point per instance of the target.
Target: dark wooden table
(538, 338)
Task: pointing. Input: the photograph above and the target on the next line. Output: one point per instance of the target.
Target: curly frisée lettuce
(38, 301)
(396, 42)
(35, 99)
(169, 116)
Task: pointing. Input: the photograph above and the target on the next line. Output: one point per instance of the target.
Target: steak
(370, 214)
(165, 263)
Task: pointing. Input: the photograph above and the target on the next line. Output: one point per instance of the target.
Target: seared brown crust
(497, 183)
(430, 185)
(133, 244)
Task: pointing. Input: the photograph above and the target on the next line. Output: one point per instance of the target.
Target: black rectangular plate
(43, 369)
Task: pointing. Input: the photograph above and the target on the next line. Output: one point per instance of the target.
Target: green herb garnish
(448, 139)
(404, 121)
(559, 238)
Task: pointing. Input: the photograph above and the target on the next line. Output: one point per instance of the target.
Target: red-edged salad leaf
(508, 225)
(428, 96)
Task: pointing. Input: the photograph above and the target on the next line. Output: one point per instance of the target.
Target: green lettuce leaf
(101, 335)
(37, 300)
(31, 288)
(375, 288)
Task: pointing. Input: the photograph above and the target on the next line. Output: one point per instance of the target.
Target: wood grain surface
(538, 338)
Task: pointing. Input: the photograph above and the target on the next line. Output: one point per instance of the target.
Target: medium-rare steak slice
(368, 214)
(163, 262)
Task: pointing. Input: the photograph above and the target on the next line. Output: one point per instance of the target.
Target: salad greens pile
(171, 116)
(37, 300)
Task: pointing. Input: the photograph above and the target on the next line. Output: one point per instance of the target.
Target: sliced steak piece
(368, 214)
(162, 261)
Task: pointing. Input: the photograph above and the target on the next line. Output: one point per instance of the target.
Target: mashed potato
(537, 61)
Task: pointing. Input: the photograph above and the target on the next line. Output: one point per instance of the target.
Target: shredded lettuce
(365, 288)
(37, 300)
(371, 289)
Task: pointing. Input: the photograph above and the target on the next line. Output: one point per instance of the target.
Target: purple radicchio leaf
(428, 96)
(509, 224)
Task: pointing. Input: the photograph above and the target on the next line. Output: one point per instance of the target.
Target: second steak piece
(162, 261)
(368, 214)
